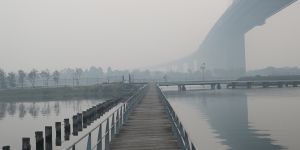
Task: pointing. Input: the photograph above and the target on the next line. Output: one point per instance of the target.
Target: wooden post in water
(84, 119)
(26, 144)
(39, 140)
(58, 133)
(67, 129)
(75, 130)
(79, 119)
(6, 148)
(48, 137)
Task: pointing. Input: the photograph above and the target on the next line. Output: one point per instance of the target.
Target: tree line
(13, 79)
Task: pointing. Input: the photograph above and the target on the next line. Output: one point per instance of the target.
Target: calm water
(22, 119)
(255, 119)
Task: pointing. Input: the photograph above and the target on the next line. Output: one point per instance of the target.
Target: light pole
(202, 67)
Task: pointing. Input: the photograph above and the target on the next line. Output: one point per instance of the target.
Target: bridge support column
(265, 84)
(233, 85)
(249, 85)
(212, 86)
(295, 84)
(219, 86)
(280, 84)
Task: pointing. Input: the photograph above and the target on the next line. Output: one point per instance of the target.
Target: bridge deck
(147, 127)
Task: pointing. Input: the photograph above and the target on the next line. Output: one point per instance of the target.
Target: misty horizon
(130, 34)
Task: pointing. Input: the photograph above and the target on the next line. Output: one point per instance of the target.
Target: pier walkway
(148, 127)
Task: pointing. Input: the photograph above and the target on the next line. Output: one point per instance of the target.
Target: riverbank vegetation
(65, 93)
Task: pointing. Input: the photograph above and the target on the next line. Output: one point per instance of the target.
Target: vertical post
(113, 126)
(79, 122)
(107, 135)
(121, 116)
(58, 133)
(249, 85)
(39, 140)
(117, 122)
(219, 86)
(187, 142)
(67, 129)
(6, 148)
(99, 143)
(193, 147)
(75, 131)
(48, 137)
(26, 144)
(84, 119)
(89, 142)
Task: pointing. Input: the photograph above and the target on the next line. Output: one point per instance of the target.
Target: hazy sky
(126, 34)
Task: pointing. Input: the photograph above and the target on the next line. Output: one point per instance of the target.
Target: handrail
(128, 107)
(182, 134)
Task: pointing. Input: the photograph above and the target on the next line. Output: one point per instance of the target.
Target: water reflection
(23, 119)
(36, 109)
(227, 115)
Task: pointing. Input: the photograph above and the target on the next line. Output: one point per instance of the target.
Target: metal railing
(177, 127)
(114, 123)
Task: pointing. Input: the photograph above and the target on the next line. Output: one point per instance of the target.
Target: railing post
(89, 142)
(121, 116)
(187, 142)
(117, 122)
(193, 147)
(107, 135)
(112, 126)
(99, 141)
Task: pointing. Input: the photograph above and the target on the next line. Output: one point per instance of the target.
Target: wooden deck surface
(147, 128)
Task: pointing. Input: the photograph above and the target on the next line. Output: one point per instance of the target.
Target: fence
(177, 127)
(112, 124)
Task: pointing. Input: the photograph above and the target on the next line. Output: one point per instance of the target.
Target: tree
(56, 77)
(2, 79)
(46, 76)
(32, 77)
(22, 76)
(77, 75)
(12, 80)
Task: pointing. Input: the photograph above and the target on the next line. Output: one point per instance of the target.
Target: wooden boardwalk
(147, 128)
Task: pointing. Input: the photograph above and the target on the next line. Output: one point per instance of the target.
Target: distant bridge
(217, 84)
(223, 50)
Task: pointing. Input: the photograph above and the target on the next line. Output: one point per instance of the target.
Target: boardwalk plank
(147, 127)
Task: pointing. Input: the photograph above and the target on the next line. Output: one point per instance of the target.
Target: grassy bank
(64, 93)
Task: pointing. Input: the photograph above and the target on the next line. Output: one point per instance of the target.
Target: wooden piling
(48, 137)
(75, 130)
(6, 148)
(26, 144)
(67, 129)
(39, 140)
(58, 133)
(79, 122)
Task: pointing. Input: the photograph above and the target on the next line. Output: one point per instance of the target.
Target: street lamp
(202, 67)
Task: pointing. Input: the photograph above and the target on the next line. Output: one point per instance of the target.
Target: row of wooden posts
(80, 121)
